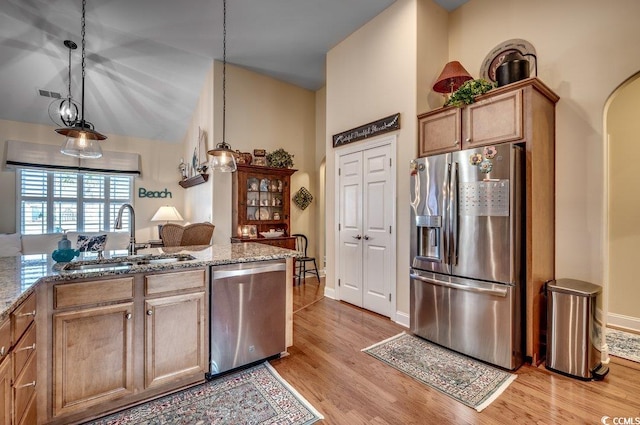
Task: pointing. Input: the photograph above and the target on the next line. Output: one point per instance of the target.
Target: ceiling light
(223, 157)
(82, 139)
(65, 111)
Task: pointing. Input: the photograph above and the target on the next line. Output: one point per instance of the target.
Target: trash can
(573, 334)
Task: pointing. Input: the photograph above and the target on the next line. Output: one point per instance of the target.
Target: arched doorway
(622, 130)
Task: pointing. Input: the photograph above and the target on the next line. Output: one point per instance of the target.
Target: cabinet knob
(455, 143)
(128, 316)
(30, 384)
(468, 139)
(30, 347)
(2, 351)
(30, 313)
(149, 312)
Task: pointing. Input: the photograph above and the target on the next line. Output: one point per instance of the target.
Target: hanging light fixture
(82, 139)
(223, 157)
(65, 111)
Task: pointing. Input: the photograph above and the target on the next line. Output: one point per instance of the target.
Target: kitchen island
(111, 332)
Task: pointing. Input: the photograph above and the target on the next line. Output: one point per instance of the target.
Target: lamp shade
(167, 213)
(451, 78)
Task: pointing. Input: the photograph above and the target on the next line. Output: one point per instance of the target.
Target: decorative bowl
(271, 234)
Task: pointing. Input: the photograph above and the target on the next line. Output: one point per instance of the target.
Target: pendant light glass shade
(224, 159)
(82, 139)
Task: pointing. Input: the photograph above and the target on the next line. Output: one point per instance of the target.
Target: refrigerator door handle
(486, 291)
(453, 214)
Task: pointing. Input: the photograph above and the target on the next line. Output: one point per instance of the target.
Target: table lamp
(451, 78)
(166, 213)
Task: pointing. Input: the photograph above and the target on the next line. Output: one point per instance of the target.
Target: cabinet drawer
(23, 316)
(178, 281)
(30, 415)
(94, 292)
(24, 388)
(5, 338)
(23, 350)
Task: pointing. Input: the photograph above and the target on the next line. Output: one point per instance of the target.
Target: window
(53, 201)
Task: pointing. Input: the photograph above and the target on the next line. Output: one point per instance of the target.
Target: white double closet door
(366, 253)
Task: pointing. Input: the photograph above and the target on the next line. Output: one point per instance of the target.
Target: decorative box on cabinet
(262, 198)
(524, 112)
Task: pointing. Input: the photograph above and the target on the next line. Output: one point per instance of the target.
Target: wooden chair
(192, 234)
(301, 262)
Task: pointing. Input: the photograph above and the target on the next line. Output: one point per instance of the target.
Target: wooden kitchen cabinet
(5, 374)
(495, 117)
(117, 341)
(522, 112)
(175, 339)
(262, 198)
(92, 356)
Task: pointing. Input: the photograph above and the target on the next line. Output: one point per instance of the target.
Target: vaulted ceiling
(147, 59)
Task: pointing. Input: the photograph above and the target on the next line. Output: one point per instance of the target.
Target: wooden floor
(349, 387)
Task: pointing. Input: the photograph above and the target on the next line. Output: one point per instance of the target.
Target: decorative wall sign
(302, 198)
(144, 193)
(384, 125)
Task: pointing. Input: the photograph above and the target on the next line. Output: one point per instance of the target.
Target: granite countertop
(19, 275)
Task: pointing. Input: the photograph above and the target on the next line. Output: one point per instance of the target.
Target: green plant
(280, 159)
(467, 92)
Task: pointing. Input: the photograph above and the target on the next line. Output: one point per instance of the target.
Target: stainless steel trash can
(573, 334)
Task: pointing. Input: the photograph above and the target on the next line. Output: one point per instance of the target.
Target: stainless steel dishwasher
(247, 317)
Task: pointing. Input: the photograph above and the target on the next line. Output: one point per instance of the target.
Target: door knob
(366, 238)
(358, 237)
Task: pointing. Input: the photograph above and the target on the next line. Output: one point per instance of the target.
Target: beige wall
(261, 112)
(585, 50)
(159, 171)
(373, 74)
(623, 127)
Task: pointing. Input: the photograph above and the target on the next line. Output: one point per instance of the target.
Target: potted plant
(280, 159)
(467, 92)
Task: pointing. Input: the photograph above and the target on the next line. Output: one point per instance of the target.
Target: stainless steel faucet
(132, 231)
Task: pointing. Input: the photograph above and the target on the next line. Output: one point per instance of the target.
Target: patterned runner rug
(469, 381)
(257, 395)
(623, 344)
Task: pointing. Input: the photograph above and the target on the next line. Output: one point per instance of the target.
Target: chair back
(301, 243)
(197, 234)
(172, 234)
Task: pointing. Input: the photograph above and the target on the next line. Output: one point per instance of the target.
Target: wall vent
(47, 93)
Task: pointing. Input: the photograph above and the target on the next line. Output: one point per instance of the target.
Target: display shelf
(194, 180)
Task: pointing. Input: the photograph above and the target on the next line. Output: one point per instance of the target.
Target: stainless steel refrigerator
(467, 266)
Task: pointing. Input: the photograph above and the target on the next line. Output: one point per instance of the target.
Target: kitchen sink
(126, 262)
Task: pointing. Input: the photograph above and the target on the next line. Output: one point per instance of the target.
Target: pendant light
(65, 111)
(223, 157)
(82, 139)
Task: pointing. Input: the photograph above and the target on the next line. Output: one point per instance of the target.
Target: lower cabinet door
(5, 391)
(174, 338)
(92, 356)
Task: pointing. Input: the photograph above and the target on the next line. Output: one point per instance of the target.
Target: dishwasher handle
(223, 274)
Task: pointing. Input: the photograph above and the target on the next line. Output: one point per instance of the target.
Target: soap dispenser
(64, 253)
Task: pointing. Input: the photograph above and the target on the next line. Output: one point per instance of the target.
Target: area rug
(469, 381)
(257, 395)
(623, 344)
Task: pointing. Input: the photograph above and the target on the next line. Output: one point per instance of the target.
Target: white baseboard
(330, 293)
(622, 321)
(402, 319)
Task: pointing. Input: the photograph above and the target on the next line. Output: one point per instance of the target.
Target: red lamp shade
(451, 78)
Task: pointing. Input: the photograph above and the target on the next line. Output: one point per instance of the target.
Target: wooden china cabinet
(261, 204)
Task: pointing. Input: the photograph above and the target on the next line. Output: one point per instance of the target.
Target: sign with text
(144, 193)
(375, 128)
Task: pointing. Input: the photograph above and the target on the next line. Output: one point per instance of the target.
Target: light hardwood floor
(350, 387)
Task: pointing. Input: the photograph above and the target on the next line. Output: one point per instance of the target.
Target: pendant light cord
(82, 33)
(224, 71)
(69, 92)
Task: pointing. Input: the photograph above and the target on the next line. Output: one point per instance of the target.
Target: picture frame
(259, 152)
(260, 161)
